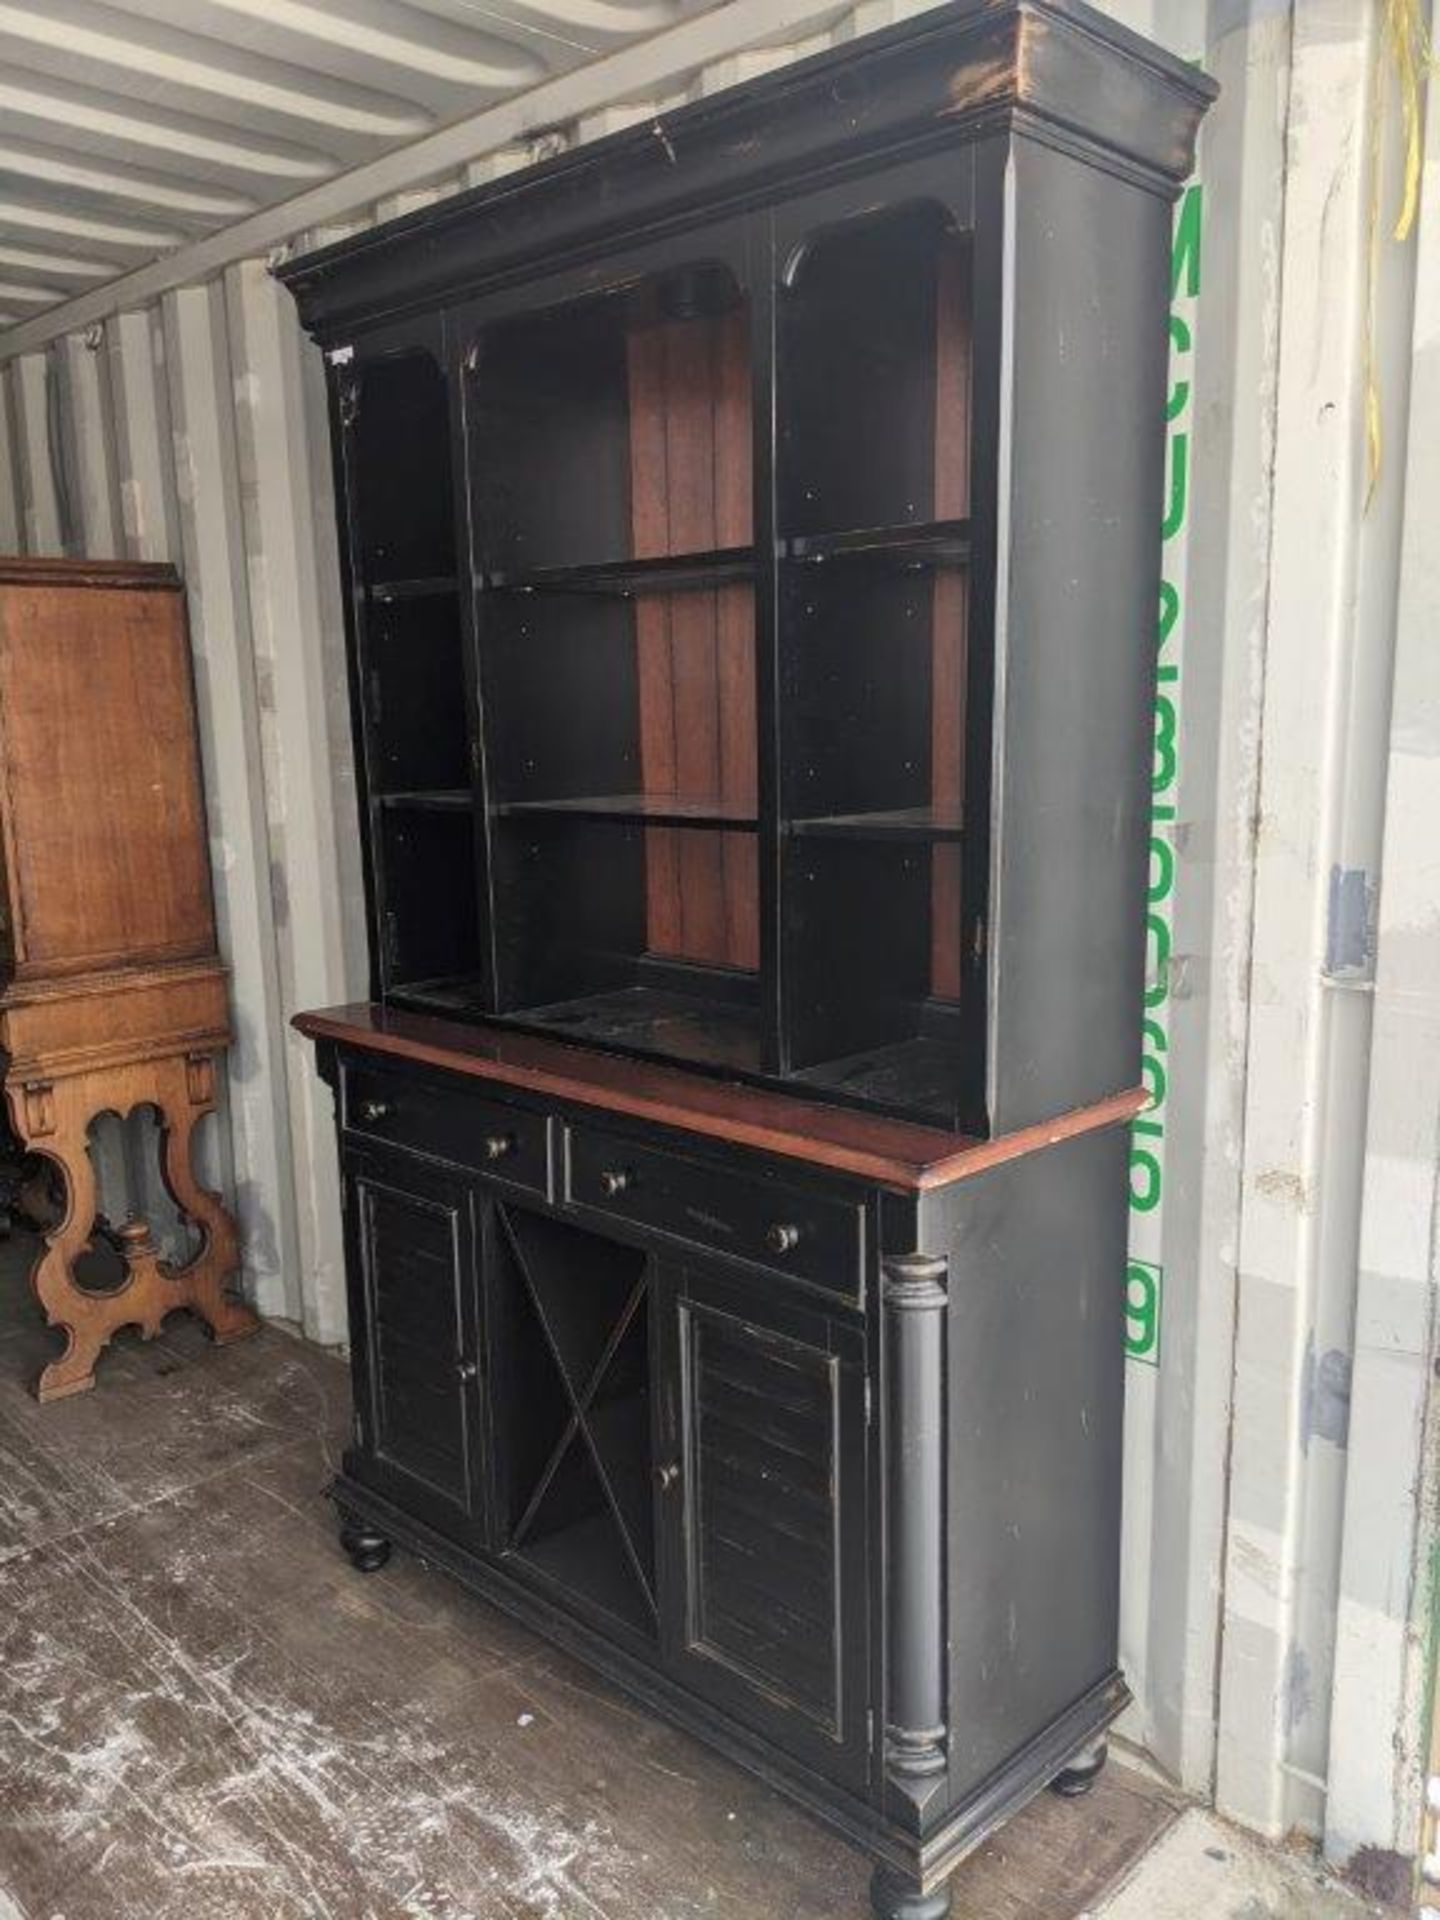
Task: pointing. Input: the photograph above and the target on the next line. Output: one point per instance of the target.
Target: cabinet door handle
(782, 1239)
(668, 1476)
(467, 1370)
(373, 1110)
(614, 1181)
(499, 1146)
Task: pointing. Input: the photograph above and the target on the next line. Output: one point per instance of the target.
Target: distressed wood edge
(983, 64)
(1113, 1111)
(31, 988)
(44, 570)
(774, 1122)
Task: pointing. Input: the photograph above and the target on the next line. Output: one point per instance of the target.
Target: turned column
(914, 1297)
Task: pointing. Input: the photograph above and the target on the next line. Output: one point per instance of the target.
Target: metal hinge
(869, 1403)
(869, 1727)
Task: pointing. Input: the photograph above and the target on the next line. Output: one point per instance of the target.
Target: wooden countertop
(895, 1153)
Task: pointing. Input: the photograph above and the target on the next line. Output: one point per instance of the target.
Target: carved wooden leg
(185, 1095)
(53, 1118)
(52, 1279)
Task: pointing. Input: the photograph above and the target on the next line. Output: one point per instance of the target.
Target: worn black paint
(914, 1425)
(1033, 116)
(829, 1474)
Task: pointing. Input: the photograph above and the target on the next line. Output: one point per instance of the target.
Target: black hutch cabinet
(750, 526)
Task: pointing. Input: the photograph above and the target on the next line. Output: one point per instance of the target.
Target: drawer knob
(614, 1181)
(667, 1476)
(373, 1110)
(467, 1370)
(782, 1239)
(499, 1146)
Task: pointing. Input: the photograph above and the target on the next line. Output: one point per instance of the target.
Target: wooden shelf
(916, 1077)
(667, 573)
(447, 800)
(931, 543)
(588, 1558)
(426, 587)
(458, 993)
(653, 1020)
(655, 810)
(895, 823)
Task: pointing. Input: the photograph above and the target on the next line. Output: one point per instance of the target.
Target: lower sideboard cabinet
(825, 1471)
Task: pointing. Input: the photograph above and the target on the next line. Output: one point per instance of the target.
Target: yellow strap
(1408, 47)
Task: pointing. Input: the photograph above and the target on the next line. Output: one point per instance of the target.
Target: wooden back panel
(103, 816)
(690, 452)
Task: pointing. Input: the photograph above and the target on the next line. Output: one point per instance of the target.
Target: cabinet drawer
(806, 1236)
(508, 1144)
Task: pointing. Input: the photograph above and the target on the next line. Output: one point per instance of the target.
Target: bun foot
(1080, 1776)
(894, 1896)
(367, 1549)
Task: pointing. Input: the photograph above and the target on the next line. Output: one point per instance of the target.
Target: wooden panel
(510, 1144)
(772, 1532)
(895, 1153)
(127, 1014)
(708, 1205)
(763, 1515)
(413, 1249)
(950, 606)
(690, 448)
(104, 823)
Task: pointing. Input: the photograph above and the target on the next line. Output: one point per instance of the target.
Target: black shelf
(447, 800)
(894, 823)
(654, 810)
(930, 543)
(425, 587)
(458, 993)
(652, 1020)
(917, 1078)
(667, 573)
(588, 1558)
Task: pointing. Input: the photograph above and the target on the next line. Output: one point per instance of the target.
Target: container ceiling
(132, 128)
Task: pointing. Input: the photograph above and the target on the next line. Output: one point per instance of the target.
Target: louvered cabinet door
(414, 1337)
(763, 1492)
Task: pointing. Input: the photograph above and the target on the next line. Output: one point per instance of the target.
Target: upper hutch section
(752, 533)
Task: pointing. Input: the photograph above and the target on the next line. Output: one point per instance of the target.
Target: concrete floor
(206, 1715)
(1203, 1869)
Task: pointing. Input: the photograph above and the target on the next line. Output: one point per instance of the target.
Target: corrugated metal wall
(1278, 1486)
